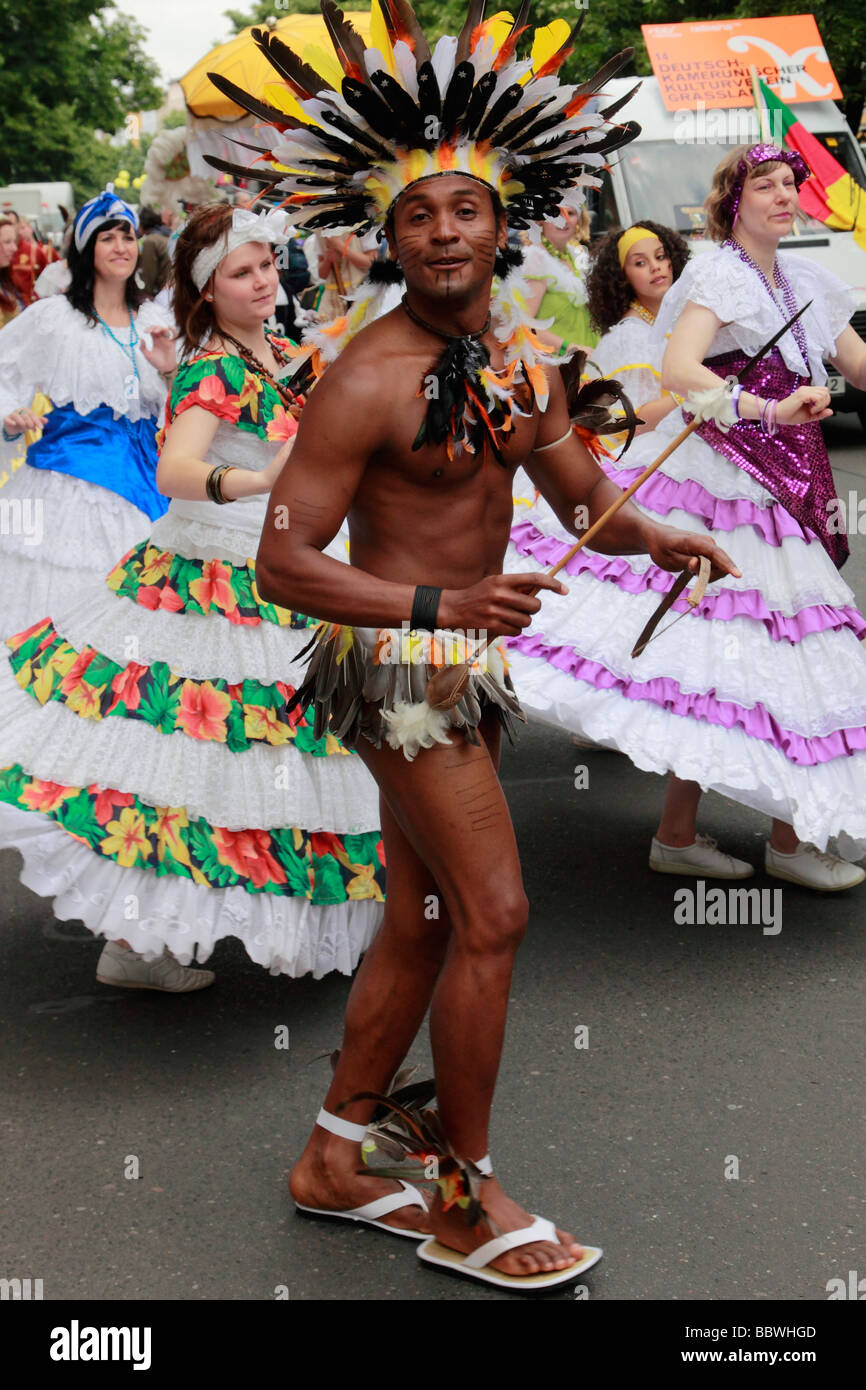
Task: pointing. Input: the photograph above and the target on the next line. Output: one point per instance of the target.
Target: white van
(665, 175)
(41, 204)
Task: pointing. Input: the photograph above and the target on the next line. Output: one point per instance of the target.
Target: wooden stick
(623, 498)
(446, 688)
(611, 511)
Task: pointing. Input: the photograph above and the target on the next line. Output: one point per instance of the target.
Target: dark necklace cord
(440, 332)
(249, 357)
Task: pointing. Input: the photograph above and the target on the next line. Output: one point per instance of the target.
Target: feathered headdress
(403, 113)
(342, 157)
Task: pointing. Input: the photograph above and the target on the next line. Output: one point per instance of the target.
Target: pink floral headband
(761, 154)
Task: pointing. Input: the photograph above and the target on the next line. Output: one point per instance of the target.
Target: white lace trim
(287, 936)
(628, 353)
(263, 787)
(720, 281)
(75, 532)
(812, 687)
(794, 575)
(538, 264)
(52, 348)
(201, 647)
(820, 802)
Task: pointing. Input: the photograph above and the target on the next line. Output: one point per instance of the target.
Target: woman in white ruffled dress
(154, 779)
(88, 488)
(761, 693)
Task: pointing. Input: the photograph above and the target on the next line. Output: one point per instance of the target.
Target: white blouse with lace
(722, 282)
(51, 347)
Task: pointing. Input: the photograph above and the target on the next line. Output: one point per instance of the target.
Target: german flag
(830, 195)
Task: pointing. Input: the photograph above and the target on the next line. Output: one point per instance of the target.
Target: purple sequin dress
(760, 695)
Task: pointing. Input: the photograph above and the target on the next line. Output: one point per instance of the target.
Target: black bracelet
(213, 483)
(425, 606)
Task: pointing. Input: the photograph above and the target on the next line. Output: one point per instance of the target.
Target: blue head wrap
(107, 207)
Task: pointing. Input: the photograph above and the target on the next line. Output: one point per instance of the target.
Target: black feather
(360, 137)
(514, 126)
(609, 69)
(238, 171)
(251, 103)
(456, 97)
(481, 94)
(385, 272)
(618, 105)
(406, 112)
(502, 107)
(429, 105)
(344, 36)
(300, 76)
(368, 104)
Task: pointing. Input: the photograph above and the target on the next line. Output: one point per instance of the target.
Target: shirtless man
(420, 518)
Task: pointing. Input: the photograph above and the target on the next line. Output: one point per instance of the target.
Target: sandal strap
(343, 1128)
(409, 1196)
(484, 1165)
(541, 1229)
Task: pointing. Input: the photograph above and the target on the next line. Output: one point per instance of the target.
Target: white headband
(246, 226)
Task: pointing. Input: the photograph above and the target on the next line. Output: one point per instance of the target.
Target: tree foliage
(68, 71)
(263, 10)
(611, 25)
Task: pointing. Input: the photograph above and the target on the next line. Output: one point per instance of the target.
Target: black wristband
(425, 606)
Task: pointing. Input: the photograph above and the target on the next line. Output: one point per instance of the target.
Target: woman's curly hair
(608, 291)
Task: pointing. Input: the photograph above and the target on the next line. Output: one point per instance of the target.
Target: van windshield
(667, 182)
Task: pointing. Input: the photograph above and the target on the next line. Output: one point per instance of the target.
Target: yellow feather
(547, 40)
(278, 94)
(327, 65)
(498, 27)
(379, 36)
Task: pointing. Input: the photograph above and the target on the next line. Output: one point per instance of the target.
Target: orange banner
(707, 63)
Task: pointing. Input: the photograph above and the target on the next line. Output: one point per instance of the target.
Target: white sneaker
(118, 966)
(702, 860)
(812, 868)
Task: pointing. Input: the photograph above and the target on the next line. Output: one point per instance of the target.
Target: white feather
(373, 61)
(442, 61)
(716, 404)
(413, 727)
(407, 69)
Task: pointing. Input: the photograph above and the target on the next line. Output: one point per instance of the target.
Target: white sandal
(477, 1264)
(370, 1212)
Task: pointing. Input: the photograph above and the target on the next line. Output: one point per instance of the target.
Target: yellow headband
(628, 239)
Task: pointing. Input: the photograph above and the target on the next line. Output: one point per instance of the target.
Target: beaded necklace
(788, 296)
(560, 255)
(259, 369)
(128, 349)
(641, 312)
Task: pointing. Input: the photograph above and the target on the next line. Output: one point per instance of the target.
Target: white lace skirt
(760, 694)
(155, 783)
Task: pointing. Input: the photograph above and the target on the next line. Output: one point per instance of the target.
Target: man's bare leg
(386, 1007)
(452, 810)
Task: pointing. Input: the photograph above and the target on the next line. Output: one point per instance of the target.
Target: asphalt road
(709, 1136)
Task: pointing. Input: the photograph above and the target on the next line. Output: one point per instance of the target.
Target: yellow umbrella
(242, 63)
